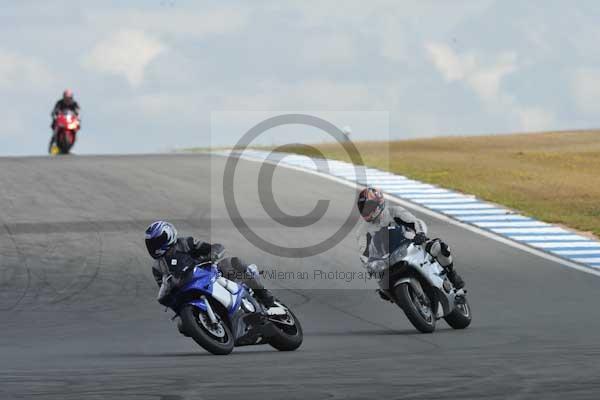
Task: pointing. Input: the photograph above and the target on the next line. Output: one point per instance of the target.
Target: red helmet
(370, 203)
(68, 94)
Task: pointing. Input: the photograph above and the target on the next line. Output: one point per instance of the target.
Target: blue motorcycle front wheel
(216, 338)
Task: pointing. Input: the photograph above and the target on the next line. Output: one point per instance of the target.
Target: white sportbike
(416, 282)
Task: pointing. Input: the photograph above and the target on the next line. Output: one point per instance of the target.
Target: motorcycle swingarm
(259, 330)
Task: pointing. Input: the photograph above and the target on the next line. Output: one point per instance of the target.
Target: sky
(149, 74)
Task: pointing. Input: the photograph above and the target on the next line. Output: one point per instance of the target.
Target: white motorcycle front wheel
(417, 310)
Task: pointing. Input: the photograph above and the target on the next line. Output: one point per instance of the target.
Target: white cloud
(308, 94)
(161, 105)
(17, 71)
(535, 119)
(391, 25)
(358, 12)
(482, 77)
(216, 21)
(393, 40)
(449, 64)
(325, 50)
(126, 53)
(585, 87)
(486, 80)
(210, 22)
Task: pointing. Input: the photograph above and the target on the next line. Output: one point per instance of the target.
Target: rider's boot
(52, 141)
(454, 277)
(264, 297)
(441, 252)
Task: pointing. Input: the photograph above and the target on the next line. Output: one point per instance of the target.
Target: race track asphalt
(79, 318)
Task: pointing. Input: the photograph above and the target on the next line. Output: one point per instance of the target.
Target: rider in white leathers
(377, 215)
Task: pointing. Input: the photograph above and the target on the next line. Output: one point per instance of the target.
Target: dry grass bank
(551, 176)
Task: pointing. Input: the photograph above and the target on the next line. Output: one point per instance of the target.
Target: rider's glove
(165, 289)
(200, 249)
(207, 252)
(420, 238)
(217, 251)
(375, 267)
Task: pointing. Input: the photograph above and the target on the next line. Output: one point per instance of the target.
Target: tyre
(460, 318)
(61, 142)
(418, 313)
(289, 332)
(215, 338)
(65, 140)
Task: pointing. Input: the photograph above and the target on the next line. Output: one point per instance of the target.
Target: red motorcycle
(66, 127)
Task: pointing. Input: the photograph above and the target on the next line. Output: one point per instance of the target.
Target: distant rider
(66, 103)
(377, 215)
(173, 255)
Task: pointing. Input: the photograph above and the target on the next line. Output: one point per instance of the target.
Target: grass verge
(554, 176)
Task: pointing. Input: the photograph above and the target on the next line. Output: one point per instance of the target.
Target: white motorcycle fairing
(434, 274)
(405, 262)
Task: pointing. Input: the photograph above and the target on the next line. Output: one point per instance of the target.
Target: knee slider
(433, 247)
(445, 249)
(253, 270)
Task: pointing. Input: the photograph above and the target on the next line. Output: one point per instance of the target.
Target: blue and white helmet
(160, 237)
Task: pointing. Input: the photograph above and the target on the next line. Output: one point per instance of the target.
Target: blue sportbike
(220, 314)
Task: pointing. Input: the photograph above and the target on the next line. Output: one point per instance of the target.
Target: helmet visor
(156, 245)
(370, 210)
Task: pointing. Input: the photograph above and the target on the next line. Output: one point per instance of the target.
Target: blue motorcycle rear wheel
(289, 333)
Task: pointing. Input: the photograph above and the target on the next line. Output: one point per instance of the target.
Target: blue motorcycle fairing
(198, 303)
(247, 327)
(238, 299)
(202, 279)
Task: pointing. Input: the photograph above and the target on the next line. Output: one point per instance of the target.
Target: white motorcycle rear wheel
(460, 317)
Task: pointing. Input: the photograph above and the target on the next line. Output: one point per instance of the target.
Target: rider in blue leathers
(175, 255)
